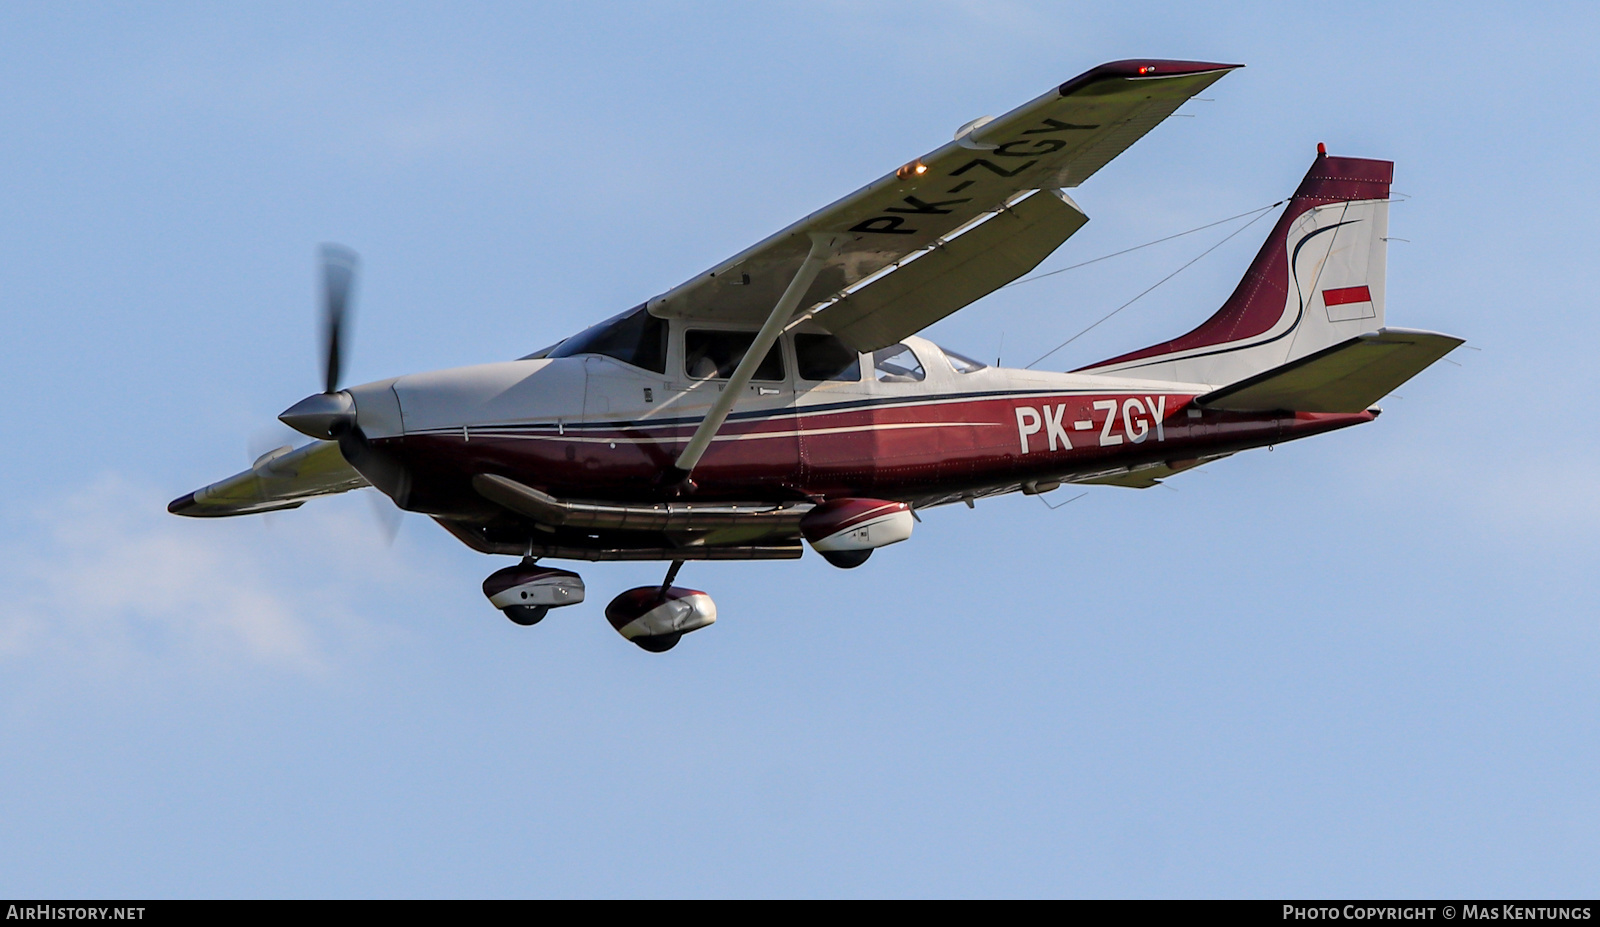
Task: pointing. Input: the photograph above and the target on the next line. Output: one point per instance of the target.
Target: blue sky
(1361, 664)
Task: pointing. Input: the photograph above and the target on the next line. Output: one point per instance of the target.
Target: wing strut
(822, 247)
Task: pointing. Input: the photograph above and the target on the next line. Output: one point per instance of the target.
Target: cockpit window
(963, 363)
(896, 364)
(716, 355)
(824, 357)
(635, 337)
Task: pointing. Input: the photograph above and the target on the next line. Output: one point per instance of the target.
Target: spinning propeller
(330, 413)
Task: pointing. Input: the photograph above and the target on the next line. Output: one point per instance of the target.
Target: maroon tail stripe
(1259, 300)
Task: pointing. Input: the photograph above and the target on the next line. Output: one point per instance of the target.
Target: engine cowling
(847, 531)
(655, 620)
(527, 591)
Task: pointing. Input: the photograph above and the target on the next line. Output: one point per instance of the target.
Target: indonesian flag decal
(1346, 294)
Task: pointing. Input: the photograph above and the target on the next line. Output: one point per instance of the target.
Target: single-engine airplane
(782, 398)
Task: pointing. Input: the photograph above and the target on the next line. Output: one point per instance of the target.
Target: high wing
(281, 479)
(958, 222)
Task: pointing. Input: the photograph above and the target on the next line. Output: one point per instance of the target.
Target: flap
(955, 272)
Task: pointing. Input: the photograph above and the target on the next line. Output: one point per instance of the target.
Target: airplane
(783, 399)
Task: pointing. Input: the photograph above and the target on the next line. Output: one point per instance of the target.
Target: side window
(824, 357)
(715, 355)
(896, 364)
(635, 337)
(963, 363)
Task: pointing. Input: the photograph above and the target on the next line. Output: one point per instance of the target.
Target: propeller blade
(388, 515)
(267, 439)
(338, 283)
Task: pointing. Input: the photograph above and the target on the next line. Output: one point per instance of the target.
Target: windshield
(635, 337)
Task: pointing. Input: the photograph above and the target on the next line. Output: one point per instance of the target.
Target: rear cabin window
(714, 355)
(824, 357)
(962, 363)
(896, 364)
(635, 337)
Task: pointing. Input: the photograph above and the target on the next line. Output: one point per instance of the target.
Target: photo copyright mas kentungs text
(1448, 912)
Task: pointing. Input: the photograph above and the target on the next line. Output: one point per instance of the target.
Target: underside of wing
(1056, 141)
(282, 479)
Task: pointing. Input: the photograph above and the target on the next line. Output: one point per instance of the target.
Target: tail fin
(1317, 281)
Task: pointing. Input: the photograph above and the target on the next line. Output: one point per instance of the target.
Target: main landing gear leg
(672, 574)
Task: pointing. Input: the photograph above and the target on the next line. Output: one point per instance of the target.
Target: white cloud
(112, 583)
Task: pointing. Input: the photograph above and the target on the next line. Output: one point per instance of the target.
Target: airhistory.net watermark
(51, 912)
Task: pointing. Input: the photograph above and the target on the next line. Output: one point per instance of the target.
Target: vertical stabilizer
(1317, 281)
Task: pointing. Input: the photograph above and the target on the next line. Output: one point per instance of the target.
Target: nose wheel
(526, 615)
(526, 592)
(846, 559)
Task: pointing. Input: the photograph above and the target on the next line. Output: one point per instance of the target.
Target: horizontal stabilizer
(1347, 377)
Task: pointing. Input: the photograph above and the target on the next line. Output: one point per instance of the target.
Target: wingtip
(182, 504)
(1143, 68)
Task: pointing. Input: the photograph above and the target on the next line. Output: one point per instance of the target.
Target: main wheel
(846, 559)
(526, 615)
(657, 643)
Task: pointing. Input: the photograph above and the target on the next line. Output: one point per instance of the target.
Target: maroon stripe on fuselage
(883, 451)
